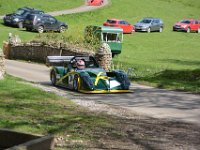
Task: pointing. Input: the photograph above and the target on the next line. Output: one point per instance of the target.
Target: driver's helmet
(80, 64)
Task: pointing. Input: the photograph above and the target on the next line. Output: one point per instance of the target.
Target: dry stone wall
(2, 65)
(38, 52)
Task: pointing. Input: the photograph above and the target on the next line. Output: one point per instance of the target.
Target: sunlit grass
(10, 6)
(28, 109)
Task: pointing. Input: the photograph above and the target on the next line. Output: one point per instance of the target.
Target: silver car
(149, 25)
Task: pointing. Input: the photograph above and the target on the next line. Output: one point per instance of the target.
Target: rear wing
(58, 60)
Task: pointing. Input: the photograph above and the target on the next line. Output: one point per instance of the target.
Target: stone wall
(38, 52)
(2, 65)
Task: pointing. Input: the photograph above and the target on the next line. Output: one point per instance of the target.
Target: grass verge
(28, 109)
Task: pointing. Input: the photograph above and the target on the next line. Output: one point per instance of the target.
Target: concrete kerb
(12, 140)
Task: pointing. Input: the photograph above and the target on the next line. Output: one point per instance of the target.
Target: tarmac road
(145, 100)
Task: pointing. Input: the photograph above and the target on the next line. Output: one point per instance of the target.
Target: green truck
(111, 35)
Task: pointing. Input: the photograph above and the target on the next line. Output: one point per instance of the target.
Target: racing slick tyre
(75, 83)
(53, 78)
(122, 77)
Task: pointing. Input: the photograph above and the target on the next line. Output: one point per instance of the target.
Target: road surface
(145, 100)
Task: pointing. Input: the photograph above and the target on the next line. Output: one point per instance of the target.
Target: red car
(127, 27)
(95, 2)
(187, 25)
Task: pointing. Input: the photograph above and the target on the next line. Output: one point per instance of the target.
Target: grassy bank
(10, 6)
(28, 109)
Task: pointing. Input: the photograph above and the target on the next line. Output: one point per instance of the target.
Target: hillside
(168, 59)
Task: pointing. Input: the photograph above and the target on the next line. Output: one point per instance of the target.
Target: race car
(83, 74)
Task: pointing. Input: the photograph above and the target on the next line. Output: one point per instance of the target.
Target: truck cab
(111, 35)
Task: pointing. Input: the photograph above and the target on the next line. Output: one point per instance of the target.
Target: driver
(80, 64)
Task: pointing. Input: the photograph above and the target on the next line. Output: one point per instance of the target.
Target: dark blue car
(17, 18)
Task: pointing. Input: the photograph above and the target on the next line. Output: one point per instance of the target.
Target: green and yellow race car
(83, 74)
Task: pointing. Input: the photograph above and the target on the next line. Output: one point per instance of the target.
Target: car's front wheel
(148, 30)
(161, 29)
(62, 29)
(188, 30)
(53, 78)
(20, 25)
(75, 83)
(40, 29)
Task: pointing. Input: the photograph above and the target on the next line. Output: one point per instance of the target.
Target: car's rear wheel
(20, 25)
(40, 29)
(28, 29)
(53, 78)
(148, 30)
(188, 30)
(198, 31)
(62, 29)
(75, 83)
(161, 29)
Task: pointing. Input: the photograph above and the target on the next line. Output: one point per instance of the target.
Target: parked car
(95, 2)
(127, 27)
(149, 25)
(83, 74)
(187, 25)
(43, 22)
(17, 18)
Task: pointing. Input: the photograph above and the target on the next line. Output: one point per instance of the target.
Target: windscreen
(111, 21)
(20, 12)
(185, 21)
(147, 21)
(112, 37)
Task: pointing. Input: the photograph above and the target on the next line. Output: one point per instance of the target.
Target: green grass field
(28, 109)
(9, 6)
(158, 58)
